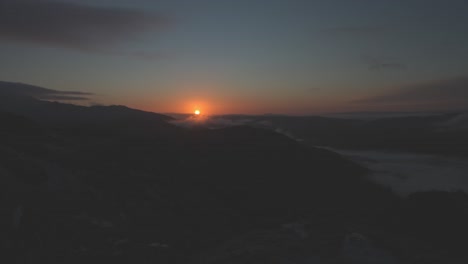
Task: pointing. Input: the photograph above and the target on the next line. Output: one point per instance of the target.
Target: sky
(244, 56)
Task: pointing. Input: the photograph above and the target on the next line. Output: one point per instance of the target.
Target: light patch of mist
(407, 173)
(457, 122)
(217, 122)
(211, 122)
(369, 116)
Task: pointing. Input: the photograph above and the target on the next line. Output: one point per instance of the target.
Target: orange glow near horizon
(197, 112)
(216, 104)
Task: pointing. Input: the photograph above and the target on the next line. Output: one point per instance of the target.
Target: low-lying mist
(407, 173)
(217, 122)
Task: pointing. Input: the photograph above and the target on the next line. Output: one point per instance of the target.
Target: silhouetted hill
(150, 180)
(14, 127)
(113, 184)
(25, 100)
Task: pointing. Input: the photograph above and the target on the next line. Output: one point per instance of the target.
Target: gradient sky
(244, 56)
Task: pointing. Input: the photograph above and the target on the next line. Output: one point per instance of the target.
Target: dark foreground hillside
(128, 187)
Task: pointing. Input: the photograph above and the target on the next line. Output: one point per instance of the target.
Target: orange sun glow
(197, 112)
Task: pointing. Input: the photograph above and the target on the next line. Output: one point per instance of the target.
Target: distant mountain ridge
(33, 101)
(442, 133)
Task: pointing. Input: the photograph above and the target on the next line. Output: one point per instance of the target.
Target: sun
(197, 112)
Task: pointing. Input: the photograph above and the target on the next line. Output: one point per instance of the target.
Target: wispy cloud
(380, 63)
(9, 88)
(448, 94)
(358, 30)
(72, 25)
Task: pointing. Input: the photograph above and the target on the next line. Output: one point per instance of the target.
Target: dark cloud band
(72, 25)
(19, 89)
(441, 94)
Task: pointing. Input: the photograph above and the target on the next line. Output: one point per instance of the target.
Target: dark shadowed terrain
(110, 184)
(443, 133)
